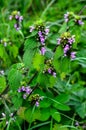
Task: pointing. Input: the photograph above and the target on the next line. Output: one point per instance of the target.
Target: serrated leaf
(30, 44)
(14, 79)
(17, 101)
(28, 57)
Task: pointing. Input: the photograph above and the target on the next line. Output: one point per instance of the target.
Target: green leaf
(39, 114)
(14, 79)
(30, 48)
(45, 114)
(41, 79)
(63, 28)
(58, 53)
(65, 65)
(52, 81)
(38, 61)
(2, 84)
(57, 65)
(81, 57)
(45, 103)
(13, 51)
(63, 98)
(55, 115)
(28, 57)
(1, 51)
(17, 101)
(30, 44)
(81, 110)
(60, 106)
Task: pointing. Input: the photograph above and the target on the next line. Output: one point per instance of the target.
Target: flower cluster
(49, 68)
(42, 32)
(66, 41)
(5, 42)
(25, 90)
(18, 18)
(6, 118)
(70, 15)
(35, 99)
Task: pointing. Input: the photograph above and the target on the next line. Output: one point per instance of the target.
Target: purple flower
(43, 50)
(24, 96)
(31, 28)
(66, 48)
(20, 18)
(16, 26)
(77, 123)
(46, 31)
(54, 74)
(19, 90)
(71, 40)
(28, 90)
(66, 16)
(80, 22)
(17, 16)
(22, 88)
(58, 41)
(73, 55)
(49, 71)
(66, 20)
(37, 103)
(42, 40)
(40, 34)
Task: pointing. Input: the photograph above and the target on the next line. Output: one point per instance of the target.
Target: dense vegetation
(43, 65)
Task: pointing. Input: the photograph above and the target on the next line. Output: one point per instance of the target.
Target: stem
(82, 9)
(33, 89)
(48, 6)
(33, 77)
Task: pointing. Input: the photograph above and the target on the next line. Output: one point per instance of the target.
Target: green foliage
(43, 86)
(14, 78)
(2, 84)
